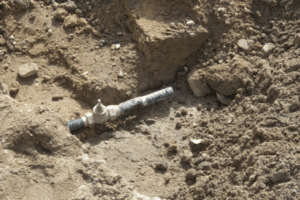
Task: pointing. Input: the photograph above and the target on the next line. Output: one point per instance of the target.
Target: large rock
(198, 84)
(164, 43)
(27, 70)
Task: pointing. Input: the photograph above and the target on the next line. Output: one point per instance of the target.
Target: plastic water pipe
(102, 113)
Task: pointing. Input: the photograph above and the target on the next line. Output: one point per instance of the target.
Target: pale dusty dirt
(248, 149)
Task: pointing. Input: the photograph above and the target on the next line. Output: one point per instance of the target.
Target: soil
(239, 141)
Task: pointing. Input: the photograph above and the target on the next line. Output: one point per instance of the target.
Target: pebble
(267, 48)
(162, 166)
(3, 88)
(223, 99)
(243, 44)
(69, 5)
(118, 46)
(14, 87)
(46, 78)
(178, 125)
(184, 111)
(172, 147)
(186, 156)
(191, 174)
(190, 23)
(57, 97)
(60, 14)
(27, 70)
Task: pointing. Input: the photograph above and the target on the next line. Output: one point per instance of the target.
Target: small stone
(199, 160)
(145, 130)
(173, 25)
(178, 125)
(162, 166)
(118, 46)
(297, 39)
(198, 86)
(60, 14)
(57, 97)
(267, 48)
(113, 47)
(2, 41)
(27, 70)
(186, 156)
(191, 174)
(243, 44)
(190, 23)
(50, 32)
(14, 87)
(172, 147)
(69, 5)
(184, 111)
(46, 78)
(3, 88)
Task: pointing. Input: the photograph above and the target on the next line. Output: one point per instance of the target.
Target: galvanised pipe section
(102, 113)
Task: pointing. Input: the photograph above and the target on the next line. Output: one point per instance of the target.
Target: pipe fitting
(102, 114)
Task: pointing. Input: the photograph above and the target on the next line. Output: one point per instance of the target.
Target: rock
(27, 70)
(82, 22)
(162, 166)
(57, 97)
(199, 144)
(205, 166)
(198, 84)
(199, 160)
(60, 14)
(14, 87)
(69, 5)
(46, 78)
(2, 41)
(145, 130)
(191, 174)
(223, 99)
(172, 147)
(271, 2)
(268, 48)
(178, 125)
(54, 4)
(71, 21)
(282, 175)
(296, 40)
(3, 88)
(190, 23)
(242, 43)
(184, 111)
(186, 156)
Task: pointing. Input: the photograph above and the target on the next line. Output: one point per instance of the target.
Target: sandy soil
(231, 132)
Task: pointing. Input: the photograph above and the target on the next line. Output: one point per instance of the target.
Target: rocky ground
(231, 132)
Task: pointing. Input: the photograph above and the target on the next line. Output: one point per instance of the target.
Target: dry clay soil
(239, 141)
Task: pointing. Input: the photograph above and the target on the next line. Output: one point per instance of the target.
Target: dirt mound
(240, 141)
